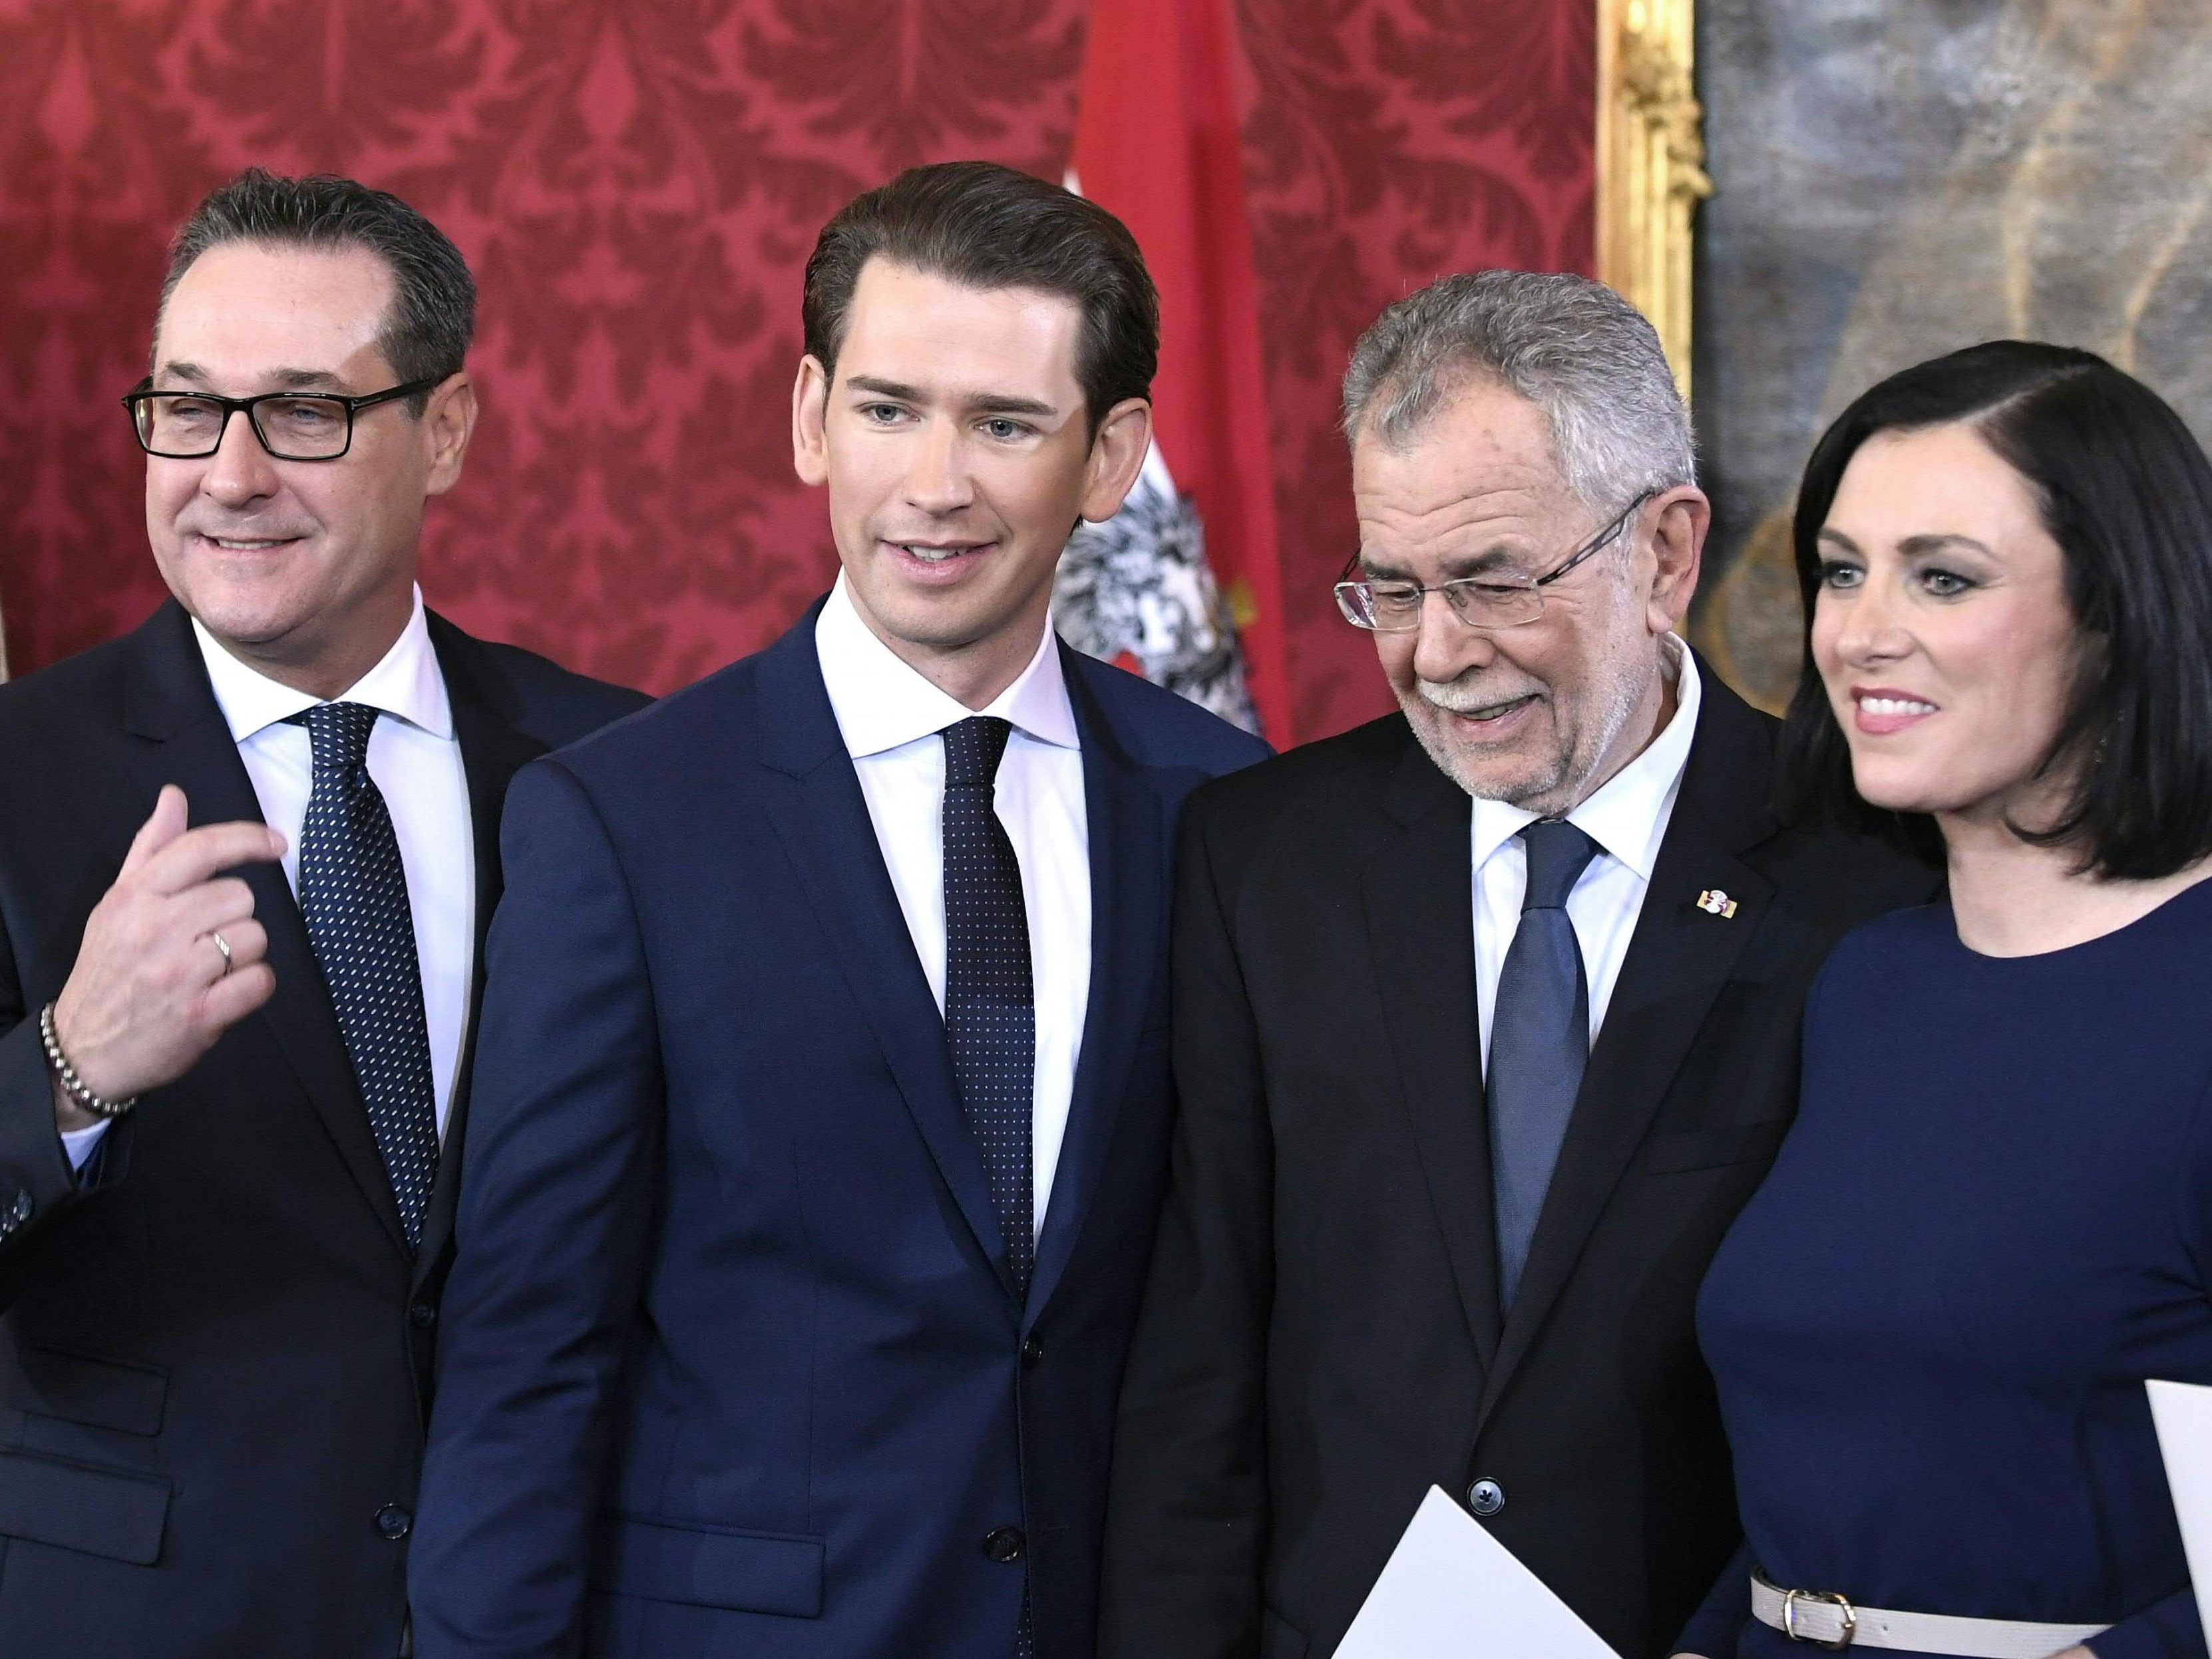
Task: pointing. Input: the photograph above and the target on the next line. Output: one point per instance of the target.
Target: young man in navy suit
(822, 1094)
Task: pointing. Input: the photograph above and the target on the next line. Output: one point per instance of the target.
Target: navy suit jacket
(215, 1349)
(732, 1363)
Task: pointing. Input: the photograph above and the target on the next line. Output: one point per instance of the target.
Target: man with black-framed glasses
(1485, 1025)
(246, 862)
(180, 424)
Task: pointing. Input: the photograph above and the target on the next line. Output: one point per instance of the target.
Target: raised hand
(152, 988)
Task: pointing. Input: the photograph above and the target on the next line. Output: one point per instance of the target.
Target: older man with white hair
(1485, 1025)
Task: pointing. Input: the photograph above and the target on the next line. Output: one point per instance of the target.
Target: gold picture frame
(1650, 161)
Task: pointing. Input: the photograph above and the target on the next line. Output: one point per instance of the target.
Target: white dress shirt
(415, 760)
(889, 717)
(1627, 817)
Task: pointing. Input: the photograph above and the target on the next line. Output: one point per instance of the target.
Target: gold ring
(223, 945)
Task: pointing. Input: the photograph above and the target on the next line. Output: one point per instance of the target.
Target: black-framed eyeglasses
(292, 425)
(1496, 600)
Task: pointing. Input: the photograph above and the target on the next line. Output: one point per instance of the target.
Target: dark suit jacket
(733, 1366)
(214, 1355)
(1320, 1340)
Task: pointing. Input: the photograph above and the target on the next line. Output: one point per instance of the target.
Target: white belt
(1825, 1620)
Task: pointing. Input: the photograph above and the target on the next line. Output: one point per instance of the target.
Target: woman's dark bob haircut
(2126, 492)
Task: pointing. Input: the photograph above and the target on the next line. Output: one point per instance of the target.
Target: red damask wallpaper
(637, 183)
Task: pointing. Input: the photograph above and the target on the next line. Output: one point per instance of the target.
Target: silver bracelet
(72, 1085)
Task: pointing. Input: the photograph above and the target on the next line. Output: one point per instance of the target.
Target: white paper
(1452, 1591)
(2183, 1412)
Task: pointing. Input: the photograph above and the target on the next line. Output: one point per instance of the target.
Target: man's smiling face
(958, 454)
(1538, 715)
(283, 561)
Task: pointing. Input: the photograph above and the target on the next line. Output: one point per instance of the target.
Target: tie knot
(1558, 853)
(337, 733)
(973, 749)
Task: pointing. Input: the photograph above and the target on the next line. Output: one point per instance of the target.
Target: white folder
(2183, 1412)
(1452, 1591)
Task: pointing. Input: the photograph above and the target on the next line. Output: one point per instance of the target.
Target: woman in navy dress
(1992, 1220)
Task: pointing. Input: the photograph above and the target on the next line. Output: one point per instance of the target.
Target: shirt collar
(881, 702)
(1627, 815)
(406, 682)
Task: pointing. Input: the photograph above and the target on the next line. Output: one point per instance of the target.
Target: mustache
(1463, 696)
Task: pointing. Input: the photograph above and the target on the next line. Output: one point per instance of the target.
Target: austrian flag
(1156, 145)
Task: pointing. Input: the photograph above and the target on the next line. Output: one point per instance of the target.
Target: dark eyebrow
(287, 380)
(1001, 403)
(1914, 547)
(905, 394)
(299, 379)
(985, 403)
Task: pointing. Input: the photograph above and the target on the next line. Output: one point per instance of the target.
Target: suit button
(424, 1313)
(394, 1523)
(1486, 1497)
(1032, 1354)
(1005, 1544)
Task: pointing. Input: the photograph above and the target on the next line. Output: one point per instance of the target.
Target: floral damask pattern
(637, 183)
(1390, 141)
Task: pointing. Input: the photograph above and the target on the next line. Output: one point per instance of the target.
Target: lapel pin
(1715, 903)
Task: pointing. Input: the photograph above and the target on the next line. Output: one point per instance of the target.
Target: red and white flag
(1184, 581)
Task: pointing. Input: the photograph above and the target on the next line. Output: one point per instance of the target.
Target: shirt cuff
(81, 1144)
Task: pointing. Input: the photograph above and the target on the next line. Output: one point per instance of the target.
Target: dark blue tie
(990, 1009)
(353, 894)
(1539, 1042)
(990, 1006)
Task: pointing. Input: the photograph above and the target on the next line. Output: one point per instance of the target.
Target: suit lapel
(493, 750)
(1419, 882)
(1677, 959)
(170, 703)
(1126, 914)
(815, 802)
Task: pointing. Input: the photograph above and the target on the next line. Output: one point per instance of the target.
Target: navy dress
(1930, 1327)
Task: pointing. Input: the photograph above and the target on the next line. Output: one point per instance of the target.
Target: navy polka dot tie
(353, 894)
(990, 1005)
(990, 1009)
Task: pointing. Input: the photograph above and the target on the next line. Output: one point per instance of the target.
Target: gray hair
(1574, 347)
(426, 335)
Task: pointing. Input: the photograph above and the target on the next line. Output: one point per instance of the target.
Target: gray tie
(1539, 1042)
